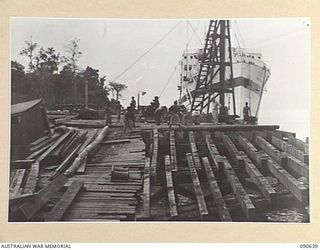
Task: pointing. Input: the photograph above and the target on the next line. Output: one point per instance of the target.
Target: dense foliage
(58, 79)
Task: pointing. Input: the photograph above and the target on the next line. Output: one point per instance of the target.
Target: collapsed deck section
(153, 173)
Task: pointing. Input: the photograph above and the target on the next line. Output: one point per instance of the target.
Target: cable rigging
(146, 52)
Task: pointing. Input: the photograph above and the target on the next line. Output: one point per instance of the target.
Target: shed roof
(23, 106)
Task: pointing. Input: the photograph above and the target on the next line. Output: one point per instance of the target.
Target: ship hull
(249, 78)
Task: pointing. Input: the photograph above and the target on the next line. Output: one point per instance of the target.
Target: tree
(71, 60)
(73, 56)
(17, 81)
(116, 89)
(47, 61)
(29, 52)
(97, 92)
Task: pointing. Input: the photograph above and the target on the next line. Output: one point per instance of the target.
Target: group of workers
(175, 115)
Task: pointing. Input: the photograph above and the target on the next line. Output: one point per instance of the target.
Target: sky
(112, 45)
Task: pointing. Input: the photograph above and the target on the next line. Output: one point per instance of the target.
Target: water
(293, 215)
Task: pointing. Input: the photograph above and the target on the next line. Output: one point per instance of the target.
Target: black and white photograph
(159, 120)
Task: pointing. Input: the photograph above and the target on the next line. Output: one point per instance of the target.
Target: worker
(246, 114)
(158, 115)
(215, 111)
(174, 111)
(108, 113)
(118, 109)
(127, 119)
(133, 103)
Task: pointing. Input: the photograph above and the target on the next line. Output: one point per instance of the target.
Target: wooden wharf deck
(152, 173)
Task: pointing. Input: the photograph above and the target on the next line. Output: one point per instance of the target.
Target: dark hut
(28, 123)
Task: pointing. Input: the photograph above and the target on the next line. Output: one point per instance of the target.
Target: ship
(249, 75)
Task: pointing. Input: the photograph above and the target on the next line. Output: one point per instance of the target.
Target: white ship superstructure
(250, 74)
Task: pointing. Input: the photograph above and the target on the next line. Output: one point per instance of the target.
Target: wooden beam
(82, 167)
(211, 127)
(21, 164)
(63, 166)
(258, 157)
(301, 145)
(146, 202)
(55, 145)
(197, 187)
(65, 202)
(154, 159)
(15, 185)
(216, 192)
(194, 150)
(298, 167)
(290, 149)
(241, 195)
(116, 141)
(279, 157)
(28, 209)
(299, 190)
(215, 157)
(262, 183)
(171, 196)
(236, 155)
(173, 153)
(32, 179)
(86, 151)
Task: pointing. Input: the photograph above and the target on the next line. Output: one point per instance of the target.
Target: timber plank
(235, 154)
(299, 190)
(154, 159)
(216, 158)
(290, 149)
(15, 185)
(262, 183)
(279, 157)
(62, 206)
(246, 204)
(31, 183)
(170, 189)
(197, 187)
(258, 157)
(173, 153)
(146, 205)
(216, 192)
(219, 127)
(194, 150)
(82, 168)
(55, 145)
(28, 209)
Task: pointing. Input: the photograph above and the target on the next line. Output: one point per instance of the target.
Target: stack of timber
(112, 180)
(30, 177)
(57, 117)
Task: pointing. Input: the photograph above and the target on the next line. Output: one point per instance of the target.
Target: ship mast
(216, 73)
